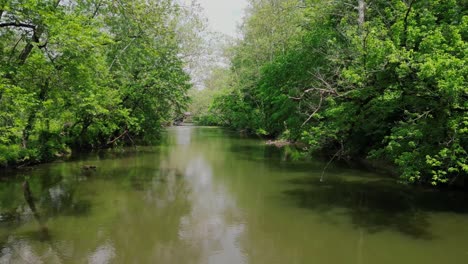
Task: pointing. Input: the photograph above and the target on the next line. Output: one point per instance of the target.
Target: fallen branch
(339, 152)
(117, 138)
(129, 137)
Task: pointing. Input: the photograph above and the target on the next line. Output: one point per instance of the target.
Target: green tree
(359, 79)
(87, 74)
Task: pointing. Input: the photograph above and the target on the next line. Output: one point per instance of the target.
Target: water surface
(206, 195)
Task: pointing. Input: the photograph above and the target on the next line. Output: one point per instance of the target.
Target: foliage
(199, 107)
(86, 74)
(382, 80)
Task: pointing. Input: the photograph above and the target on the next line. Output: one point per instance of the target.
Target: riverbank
(382, 167)
(379, 166)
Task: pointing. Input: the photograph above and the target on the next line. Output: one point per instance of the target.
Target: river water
(207, 195)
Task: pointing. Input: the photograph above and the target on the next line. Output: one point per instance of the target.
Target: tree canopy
(87, 74)
(362, 79)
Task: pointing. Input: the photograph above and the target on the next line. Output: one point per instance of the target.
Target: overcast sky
(224, 15)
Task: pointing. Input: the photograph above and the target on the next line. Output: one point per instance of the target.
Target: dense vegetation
(87, 74)
(375, 79)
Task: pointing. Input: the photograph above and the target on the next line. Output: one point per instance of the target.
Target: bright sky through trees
(224, 15)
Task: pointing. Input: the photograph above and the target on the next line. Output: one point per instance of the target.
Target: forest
(234, 131)
(378, 80)
(88, 74)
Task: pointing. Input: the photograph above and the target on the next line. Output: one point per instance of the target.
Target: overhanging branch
(17, 24)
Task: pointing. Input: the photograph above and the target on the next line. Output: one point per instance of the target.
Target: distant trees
(357, 79)
(86, 74)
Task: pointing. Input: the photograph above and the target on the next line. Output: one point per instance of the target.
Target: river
(207, 195)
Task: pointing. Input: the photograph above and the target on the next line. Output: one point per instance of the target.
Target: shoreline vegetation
(380, 81)
(378, 166)
(89, 75)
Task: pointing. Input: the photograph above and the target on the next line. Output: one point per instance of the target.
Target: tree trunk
(362, 12)
(37, 33)
(27, 130)
(32, 115)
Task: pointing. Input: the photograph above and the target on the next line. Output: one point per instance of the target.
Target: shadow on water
(114, 154)
(378, 205)
(69, 207)
(256, 152)
(142, 181)
(373, 203)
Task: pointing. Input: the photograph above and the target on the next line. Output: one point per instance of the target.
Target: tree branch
(17, 24)
(98, 6)
(12, 52)
(37, 33)
(121, 52)
(315, 111)
(405, 22)
(337, 154)
(117, 138)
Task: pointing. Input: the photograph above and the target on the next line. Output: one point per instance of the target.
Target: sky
(224, 15)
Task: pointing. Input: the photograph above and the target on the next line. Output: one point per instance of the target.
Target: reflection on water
(103, 254)
(183, 135)
(209, 196)
(211, 225)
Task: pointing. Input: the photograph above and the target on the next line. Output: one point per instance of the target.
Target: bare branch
(337, 154)
(96, 10)
(122, 51)
(315, 111)
(117, 138)
(12, 52)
